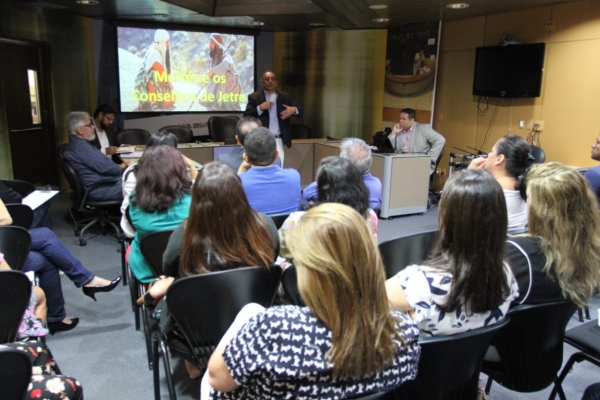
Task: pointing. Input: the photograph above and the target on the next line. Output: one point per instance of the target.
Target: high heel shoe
(92, 290)
(59, 326)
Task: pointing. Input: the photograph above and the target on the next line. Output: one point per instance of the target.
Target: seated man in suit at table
(358, 153)
(409, 136)
(91, 165)
(270, 189)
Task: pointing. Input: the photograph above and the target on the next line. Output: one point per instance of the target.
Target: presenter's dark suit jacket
(258, 97)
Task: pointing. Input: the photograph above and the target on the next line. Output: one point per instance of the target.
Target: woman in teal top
(161, 200)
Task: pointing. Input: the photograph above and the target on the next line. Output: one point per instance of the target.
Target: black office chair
(15, 243)
(222, 129)
(21, 187)
(449, 366)
(289, 281)
(279, 219)
(15, 374)
(132, 136)
(204, 307)
(586, 339)
(153, 246)
(399, 253)
(21, 214)
(301, 131)
(530, 348)
(539, 155)
(98, 211)
(183, 133)
(15, 293)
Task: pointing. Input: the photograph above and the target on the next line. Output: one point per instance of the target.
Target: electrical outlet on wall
(540, 125)
(550, 25)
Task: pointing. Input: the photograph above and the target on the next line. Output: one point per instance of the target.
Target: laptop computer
(383, 145)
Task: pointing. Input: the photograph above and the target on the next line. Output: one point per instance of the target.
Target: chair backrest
(183, 133)
(21, 214)
(449, 365)
(15, 243)
(77, 190)
(301, 131)
(289, 281)
(204, 306)
(15, 292)
(132, 136)
(539, 155)
(21, 187)
(531, 346)
(399, 253)
(15, 374)
(153, 246)
(222, 129)
(279, 219)
(437, 162)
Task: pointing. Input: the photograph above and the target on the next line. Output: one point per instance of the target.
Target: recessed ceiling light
(87, 2)
(456, 6)
(381, 20)
(257, 23)
(160, 15)
(316, 24)
(378, 6)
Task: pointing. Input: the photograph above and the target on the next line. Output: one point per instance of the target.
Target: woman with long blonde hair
(345, 343)
(559, 258)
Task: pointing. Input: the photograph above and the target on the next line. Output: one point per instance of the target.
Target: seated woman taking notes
(346, 343)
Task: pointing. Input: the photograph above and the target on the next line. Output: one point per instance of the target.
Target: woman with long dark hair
(160, 202)
(508, 162)
(345, 343)
(465, 284)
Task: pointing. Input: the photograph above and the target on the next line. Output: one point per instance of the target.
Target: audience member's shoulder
(406, 326)
(287, 312)
(291, 172)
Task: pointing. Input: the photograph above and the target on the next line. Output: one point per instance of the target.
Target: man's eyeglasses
(90, 125)
(270, 78)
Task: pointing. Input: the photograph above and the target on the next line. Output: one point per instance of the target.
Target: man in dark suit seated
(91, 165)
(103, 118)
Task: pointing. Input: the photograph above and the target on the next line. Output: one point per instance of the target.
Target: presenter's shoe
(92, 290)
(59, 326)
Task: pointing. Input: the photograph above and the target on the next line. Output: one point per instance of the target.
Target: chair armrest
(95, 185)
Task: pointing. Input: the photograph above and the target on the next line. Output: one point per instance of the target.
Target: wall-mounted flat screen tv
(163, 70)
(509, 71)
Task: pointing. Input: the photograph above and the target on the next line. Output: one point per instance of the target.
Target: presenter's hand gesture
(265, 106)
(288, 112)
(477, 163)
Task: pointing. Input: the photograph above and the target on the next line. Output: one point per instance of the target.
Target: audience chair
(15, 374)
(530, 348)
(399, 253)
(539, 155)
(15, 243)
(21, 214)
(204, 306)
(371, 396)
(301, 131)
(289, 281)
(98, 210)
(15, 292)
(279, 219)
(132, 136)
(23, 188)
(153, 246)
(449, 366)
(586, 339)
(222, 129)
(183, 133)
(580, 312)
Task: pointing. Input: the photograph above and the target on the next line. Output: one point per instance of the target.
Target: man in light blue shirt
(270, 189)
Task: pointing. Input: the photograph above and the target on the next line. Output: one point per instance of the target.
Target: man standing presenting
(593, 174)
(409, 136)
(274, 109)
(103, 119)
(269, 188)
(91, 165)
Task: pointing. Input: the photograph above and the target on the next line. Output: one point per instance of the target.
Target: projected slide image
(167, 70)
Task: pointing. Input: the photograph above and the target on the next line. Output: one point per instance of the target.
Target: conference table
(404, 177)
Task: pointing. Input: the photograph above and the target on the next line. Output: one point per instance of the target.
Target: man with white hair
(358, 153)
(152, 77)
(91, 165)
